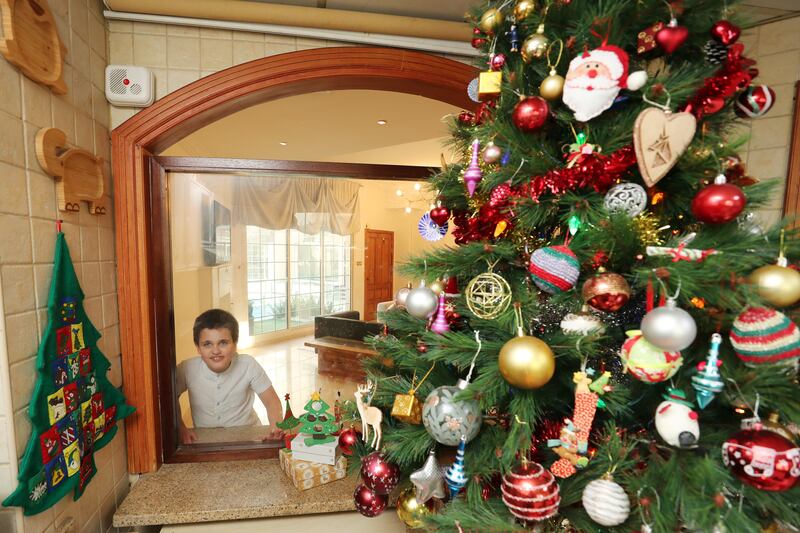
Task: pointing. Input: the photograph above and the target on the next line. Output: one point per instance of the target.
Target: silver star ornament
(428, 480)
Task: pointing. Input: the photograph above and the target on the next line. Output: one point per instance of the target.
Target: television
(216, 228)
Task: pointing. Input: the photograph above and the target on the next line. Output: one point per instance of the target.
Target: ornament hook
(552, 66)
(474, 357)
(664, 107)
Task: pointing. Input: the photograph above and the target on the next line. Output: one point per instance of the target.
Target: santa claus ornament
(595, 78)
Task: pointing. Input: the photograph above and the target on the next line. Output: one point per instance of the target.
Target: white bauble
(422, 302)
(669, 327)
(606, 502)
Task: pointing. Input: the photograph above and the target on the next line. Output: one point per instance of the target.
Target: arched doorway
(183, 112)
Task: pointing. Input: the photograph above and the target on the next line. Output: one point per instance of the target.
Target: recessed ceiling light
(417, 186)
(398, 192)
(407, 209)
(381, 122)
(283, 143)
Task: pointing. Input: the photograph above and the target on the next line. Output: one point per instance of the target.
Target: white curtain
(307, 204)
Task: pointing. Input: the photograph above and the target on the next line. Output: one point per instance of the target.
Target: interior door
(378, 266)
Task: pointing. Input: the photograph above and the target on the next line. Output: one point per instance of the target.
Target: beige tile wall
(777, 49)
(27, 237)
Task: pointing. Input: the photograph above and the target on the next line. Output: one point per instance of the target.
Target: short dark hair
(215, 319)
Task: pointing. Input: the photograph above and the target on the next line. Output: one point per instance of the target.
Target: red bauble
(347, 438)
(725, 32)
(530, 492)
(763, 459)
(671, 37)
(755, 101)
(440, 215)
(606, 291)
(368, 502)
(530, 113)
(718, 203)
(478, 39)
(466, 118)
(500, 194)
(497, 61)
(378, 474)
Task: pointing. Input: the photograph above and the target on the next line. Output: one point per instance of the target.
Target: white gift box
(326, 453)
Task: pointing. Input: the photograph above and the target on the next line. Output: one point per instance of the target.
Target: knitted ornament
(762, 335)
(554, 268)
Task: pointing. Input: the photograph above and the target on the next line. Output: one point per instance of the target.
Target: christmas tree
(74, 409)
(317, 421)
(289, 421)
(608, 261)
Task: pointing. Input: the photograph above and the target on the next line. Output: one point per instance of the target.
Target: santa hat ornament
(595, 78)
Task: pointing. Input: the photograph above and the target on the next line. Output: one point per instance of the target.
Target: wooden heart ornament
(659, 138)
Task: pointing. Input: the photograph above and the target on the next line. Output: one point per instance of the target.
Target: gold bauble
(490, 20)
(552, 87)
(410, 511)
(535, 46)
(526, 362)
(777, 285)
(523, 9)
(437, 287)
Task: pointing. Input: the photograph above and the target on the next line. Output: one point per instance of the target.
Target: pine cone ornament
(715, 53)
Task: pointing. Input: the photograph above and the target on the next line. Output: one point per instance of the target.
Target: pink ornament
(473, 175)
(440, 324)
(497, 61)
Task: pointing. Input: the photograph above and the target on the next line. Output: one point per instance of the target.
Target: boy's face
(216, 348)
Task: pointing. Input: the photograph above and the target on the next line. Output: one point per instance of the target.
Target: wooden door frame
(152, 130)
(791, 196)
(365, 261)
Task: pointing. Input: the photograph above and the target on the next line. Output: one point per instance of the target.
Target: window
(294, 276)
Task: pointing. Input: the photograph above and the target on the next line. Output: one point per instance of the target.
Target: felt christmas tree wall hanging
(74, 409)
(317, 421)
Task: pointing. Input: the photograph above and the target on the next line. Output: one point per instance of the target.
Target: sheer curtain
(307, 204)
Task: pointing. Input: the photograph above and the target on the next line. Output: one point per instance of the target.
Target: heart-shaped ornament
(659, 139)
(440, 215)
(671, 37)
(723, 31)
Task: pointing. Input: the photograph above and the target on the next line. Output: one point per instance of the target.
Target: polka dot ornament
(763, 335)
(554, 268)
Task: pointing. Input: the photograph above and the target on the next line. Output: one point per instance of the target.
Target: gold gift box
(407, 408)
(489, 84)
(306, 475)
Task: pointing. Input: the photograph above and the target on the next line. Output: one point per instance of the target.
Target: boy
(221, 382)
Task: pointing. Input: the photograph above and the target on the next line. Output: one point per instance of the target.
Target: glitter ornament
(428, 480)
(669, 327)
(761, 458)
(606, 502)
(646, 362)
(473, 174)
(421, 302)
(523, 8)
(455, 476)
(492, 153)
(762, 335)
(582, 323)
(530, 492)
(487, 295)
(440, 324)
(530, 113)
(410, 510)
(490, 20)
(707, 382)
(446, 419)
(368, 502)
(500, 195)
(629, 198)
(378, 474)
(554, 268)
(535, 46)
(606, 291)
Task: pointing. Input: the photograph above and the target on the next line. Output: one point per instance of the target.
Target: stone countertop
(338, 343)
(227, 490)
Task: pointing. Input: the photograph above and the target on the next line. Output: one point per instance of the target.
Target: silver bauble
(401, 295)
(422, 302)
(629, 198)
(669, 327)
(606, 502)
(446, 419)
(492, 153)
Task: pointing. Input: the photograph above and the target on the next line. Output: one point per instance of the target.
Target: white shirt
(224, 399)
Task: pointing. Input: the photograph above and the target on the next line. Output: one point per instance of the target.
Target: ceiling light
(398, 192)
(408, 209)
(381, 122)
(417, 186)
(283, 143)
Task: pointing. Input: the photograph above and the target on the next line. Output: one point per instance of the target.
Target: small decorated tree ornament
(523, 8)
(492, 153)
(554, 268)
(407, 407)
(455, 476)
(628, 198)
(487, 295)
(530, 492)
(428, 480)
(755, 101)
(707, 382)
(535, 46)
(368, 502)
(659, 138)
(573, 442)
(379, 474)
(582, 323)
(718, 203)
(552, 87)
(606, 291)
(371, 416)
(513, 38)
(762, 458)
(473, 174)
(347, 439)
(410, 510)
(606, 502)
(440, 324)
(526, 362)
(646, 362)
(669, 327)
(676, 420)
(317, 422)
(422, 302)
(725, 32)
(401, 295)
(530, 113)
(777, 284)
(762, 335)
(490, 20)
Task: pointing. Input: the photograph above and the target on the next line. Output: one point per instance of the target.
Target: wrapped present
(327, 453)
(306, 474)
(489, 83)
(407, 408)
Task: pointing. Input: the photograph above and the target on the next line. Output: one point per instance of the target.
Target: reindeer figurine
(370, 416)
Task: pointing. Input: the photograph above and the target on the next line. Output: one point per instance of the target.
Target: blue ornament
(513, 38)
(707, 382)
(430, 230)
(455, 476)
(506, 157)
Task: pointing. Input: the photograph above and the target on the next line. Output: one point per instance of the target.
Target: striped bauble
(763, 335)
(554, 268)
(606, 502)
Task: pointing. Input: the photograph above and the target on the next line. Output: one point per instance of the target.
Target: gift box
(407, 408)
(489, 84)
(326, 453)
(305, 474)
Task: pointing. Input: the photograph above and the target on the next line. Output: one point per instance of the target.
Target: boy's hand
(187, 435)
(273, 434)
